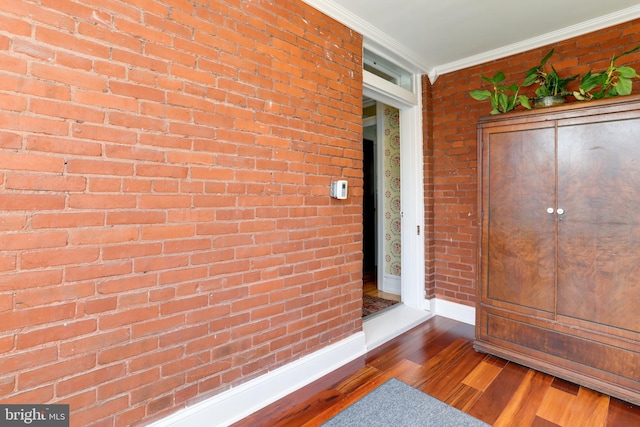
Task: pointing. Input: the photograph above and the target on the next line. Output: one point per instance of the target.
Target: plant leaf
(625, 53)
(624, 86)
(503, 102)
(542, 91)
(547, 56)
(569, 79)
(487, 79)
(627, 72)
(494, 103)
(590, 81)
(580, 95)
(524, 101)
(531, 78)
(480, 95)
(587, 76)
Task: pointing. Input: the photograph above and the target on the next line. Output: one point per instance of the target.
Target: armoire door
(599, 231)
(519, 221)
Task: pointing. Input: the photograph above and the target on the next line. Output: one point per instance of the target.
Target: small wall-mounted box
(339, 189)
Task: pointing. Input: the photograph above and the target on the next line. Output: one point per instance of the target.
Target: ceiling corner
(375, 40)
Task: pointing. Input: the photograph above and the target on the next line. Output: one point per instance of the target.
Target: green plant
(551, 84)
(611, 82)
(503, 98)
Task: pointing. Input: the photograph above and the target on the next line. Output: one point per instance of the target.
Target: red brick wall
(454, 160)
(167, 231)
(429, 219)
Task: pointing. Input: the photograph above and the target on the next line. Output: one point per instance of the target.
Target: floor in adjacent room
(370, 288)
(438, 358)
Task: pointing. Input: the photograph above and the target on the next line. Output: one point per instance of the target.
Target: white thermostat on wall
(339, 189)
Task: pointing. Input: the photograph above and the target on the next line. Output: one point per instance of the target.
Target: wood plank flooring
(438, 358)
(371, 289)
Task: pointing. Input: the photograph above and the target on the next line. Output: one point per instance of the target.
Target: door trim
(411, 183)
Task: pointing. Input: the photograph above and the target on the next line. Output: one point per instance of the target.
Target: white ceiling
(438, 36)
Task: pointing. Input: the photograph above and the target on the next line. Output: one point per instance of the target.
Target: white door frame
(387, 282)
(411, 182)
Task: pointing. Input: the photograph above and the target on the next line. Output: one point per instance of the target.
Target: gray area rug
(396, 404)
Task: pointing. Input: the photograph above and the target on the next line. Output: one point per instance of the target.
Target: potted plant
(611, 82)
(503, 98)
(552, 88)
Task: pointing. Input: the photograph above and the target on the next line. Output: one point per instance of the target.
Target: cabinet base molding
(563, 373)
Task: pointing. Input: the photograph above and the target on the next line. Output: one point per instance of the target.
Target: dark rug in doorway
(397, 404)
(371, 304)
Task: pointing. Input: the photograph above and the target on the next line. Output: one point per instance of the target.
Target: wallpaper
(392, 218)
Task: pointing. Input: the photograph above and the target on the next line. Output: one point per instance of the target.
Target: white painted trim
(387, 47)
(411, 198)
(368, 122)
(397, 93)
(380, 221)
(391, 284)
(391, 323)
(412, 201)
(376, 41)
(605, 21)
(452, 310)
(233, 405)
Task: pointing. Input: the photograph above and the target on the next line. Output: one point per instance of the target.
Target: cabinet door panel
(521, 233)
(599, 233)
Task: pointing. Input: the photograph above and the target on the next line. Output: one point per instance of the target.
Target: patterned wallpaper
(392, 219)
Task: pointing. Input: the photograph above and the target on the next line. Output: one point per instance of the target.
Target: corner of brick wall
(429, 219)
(454, 117)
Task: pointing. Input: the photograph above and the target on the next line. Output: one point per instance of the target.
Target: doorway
(414, 308)
(382, 240)
(369, 210)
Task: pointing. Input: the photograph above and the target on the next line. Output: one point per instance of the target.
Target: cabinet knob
(550, 210)
(560, 211)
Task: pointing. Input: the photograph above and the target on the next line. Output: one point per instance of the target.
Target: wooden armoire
(559, 242)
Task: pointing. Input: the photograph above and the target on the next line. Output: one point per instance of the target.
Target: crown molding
(375, 40)
(624, 15)
(384, 45)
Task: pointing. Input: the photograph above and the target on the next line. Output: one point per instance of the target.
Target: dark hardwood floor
(438, 358)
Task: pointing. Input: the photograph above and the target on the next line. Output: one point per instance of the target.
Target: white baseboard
(391, 284)
(233, 405)
(452, 310)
